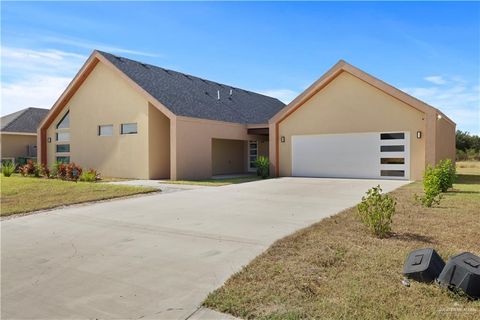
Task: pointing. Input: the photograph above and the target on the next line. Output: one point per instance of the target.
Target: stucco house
(18, 133)
(134, 120)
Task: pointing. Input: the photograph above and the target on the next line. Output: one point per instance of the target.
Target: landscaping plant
(446, 173)
(376, 211)
(90, 175)
(263, 165)
(8, 167)
(28, 168)
(432, 187)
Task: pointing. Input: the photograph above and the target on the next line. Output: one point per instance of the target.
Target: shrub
(90, 175)
(28, 168)
(263, 165)
(73, 171)
(446, 173)
(376, 211)
(431, 187)
(8, 167)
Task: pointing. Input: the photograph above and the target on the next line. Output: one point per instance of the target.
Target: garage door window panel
(392, 148)
(392, 136)
(392, 173)
(392, 160)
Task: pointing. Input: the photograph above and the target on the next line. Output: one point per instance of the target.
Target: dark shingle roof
(190, 96)
(26, 120)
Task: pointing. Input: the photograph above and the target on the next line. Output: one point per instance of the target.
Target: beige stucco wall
(105, 98)
(228, 156)
(159, 144)
(15, 145)
(348, 104)
(191, 156)
(445, 140)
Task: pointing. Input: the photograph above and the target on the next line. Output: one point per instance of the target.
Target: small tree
(376, 211)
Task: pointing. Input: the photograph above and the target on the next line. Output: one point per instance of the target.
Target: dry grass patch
(336, 270)
(23, 194)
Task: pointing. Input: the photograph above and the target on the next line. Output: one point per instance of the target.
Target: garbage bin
(462, 272)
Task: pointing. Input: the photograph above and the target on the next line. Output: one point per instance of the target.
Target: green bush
(89, 176)
(8, 167)
(447, 173)
(262, 163)
(376, 211)
(432, 187)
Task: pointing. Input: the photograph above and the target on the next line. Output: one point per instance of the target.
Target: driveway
(156, 256)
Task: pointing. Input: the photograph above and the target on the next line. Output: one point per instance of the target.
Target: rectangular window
(392, 136)
(128, 128)
(63, 148)
(64, 122)
(399, 148)
(63, 136)
(63, 159)
(392, 173)
(105, 130)
(392, 160)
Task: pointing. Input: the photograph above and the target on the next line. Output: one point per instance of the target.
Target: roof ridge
(188, 75)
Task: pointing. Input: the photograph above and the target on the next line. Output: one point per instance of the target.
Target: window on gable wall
(64, 123)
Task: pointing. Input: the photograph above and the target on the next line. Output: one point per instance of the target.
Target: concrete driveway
(156, 256)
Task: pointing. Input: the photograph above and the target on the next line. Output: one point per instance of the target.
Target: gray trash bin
(462, 272)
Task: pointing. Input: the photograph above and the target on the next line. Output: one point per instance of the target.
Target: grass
(336, 270)
(214, 182)
(24, 194)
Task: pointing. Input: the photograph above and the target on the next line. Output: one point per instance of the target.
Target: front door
(252, 155)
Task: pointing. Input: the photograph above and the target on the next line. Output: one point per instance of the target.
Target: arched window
(64, 123)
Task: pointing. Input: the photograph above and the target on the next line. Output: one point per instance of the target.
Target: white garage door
(376, 155)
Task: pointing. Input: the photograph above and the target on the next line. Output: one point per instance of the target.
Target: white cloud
(284, 95)
(99, 46)
(41, 92)
(436, 80)
(35, 78)
(459, 100)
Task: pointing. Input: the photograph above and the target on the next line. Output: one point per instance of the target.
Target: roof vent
(231, 92)
(218, 94)
(118, 58)
(144, 65)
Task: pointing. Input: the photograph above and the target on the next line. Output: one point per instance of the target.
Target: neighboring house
(134, 120)
(19, 133)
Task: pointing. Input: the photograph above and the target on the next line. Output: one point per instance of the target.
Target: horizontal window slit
(392, 173)
(399, 148)
(392, 136)
(392, 160)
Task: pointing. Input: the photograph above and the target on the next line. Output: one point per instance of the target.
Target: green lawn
(214, 182)
(24, 194)
(336, 270)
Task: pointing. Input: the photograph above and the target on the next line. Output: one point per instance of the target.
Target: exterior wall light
(439, 116)
(49, 139)
(419, 134)
(282, 139)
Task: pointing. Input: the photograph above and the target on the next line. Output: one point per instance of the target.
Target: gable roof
(23, 121)
(342, 66)
(190, 96)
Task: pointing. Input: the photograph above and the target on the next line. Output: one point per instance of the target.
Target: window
(252, 154)
(63, 136)
(63, 148)
(392, 160)
(63, 159)
(128, 128)
(64, 123)
(392, 173)
(392, 136)
(399, 148)
(105, 130)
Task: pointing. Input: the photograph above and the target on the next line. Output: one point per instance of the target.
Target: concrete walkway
(155, 257)
(159, 184)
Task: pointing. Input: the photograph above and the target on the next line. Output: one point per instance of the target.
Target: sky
(431, 50)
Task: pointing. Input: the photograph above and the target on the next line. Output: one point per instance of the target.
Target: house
(19, 133)
(135, 120)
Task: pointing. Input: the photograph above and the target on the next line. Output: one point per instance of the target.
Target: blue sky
(431, 50)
